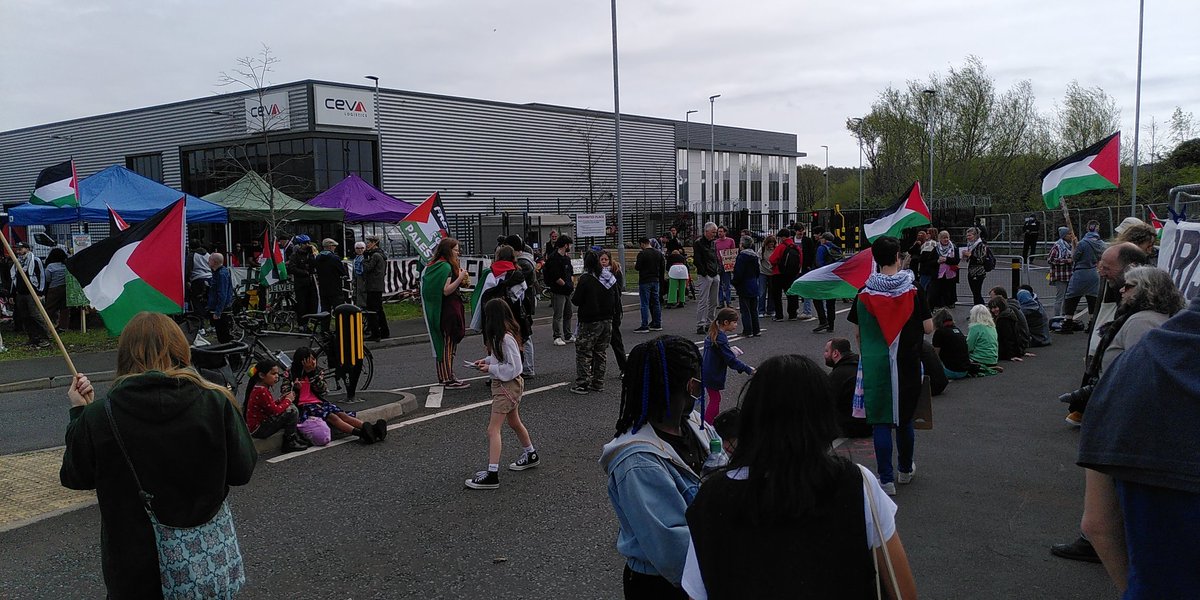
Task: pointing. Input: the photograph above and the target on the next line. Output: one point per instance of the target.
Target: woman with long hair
(765, 269)
(654, 462)
(594, 300)
(983, 342)
(615, 284)
(443, 307)
(976, 273)
(185, 438)
(801, 519)
(945, 280)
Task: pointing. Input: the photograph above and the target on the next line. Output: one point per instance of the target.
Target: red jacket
(262, 406)
(777, 254)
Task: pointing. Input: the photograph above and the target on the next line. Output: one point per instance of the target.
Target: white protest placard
(1179, 256)
(589, 225)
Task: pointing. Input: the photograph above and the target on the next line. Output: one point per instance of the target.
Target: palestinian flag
(273, 270)
(115, 222)
(881, 316)
(500, 268)
(909, 211)
(426, 225)
(1156, 222)
(57, 186)
(1093, 168)
(841, 279)
(138, 269)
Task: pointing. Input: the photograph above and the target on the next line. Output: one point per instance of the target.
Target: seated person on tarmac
(308, 384)
(266, 414)
(844, 364)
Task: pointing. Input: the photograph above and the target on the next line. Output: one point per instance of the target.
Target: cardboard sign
(728, 258)
(1179, 256)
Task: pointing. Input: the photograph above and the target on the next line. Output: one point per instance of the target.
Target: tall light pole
(617, 135)
(932, 95)
(378, 134)
(1137, 111)
(687, 157)
(826, 175)
(712, 145)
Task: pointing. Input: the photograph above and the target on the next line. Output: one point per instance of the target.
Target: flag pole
(41, 309)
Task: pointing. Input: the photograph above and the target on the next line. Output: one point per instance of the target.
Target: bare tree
(590, 170)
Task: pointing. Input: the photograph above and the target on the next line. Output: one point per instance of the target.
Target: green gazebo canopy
(249, 199)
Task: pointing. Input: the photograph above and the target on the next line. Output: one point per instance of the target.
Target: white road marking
(410, 422)
(434, 400)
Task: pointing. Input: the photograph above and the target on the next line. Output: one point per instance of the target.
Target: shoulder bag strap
(887, 557)
(142, 493)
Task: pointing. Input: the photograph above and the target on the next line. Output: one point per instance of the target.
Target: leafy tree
(1085, 116)
(1181, 126)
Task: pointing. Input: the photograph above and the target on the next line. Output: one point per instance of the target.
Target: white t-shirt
(693, 583)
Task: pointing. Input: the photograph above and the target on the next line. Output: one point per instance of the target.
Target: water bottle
(716, 456)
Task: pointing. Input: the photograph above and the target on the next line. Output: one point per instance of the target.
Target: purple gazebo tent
(362, 203)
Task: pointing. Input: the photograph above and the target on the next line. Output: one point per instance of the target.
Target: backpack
(833, 254)
(790, 261)
(989, 259)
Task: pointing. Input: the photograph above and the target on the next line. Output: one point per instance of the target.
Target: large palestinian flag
(909, 211)
(1093, 168)
(841, 279)
(273, 270)
(57, 186)
(882, 314)
(138, 269)
(426, 225)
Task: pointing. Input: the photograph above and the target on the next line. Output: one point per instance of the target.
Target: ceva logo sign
(354, 106)
(343, 107)
(265, 111)
(271, 112)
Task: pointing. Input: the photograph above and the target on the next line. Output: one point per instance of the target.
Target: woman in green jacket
(983, 343)
(184, 436)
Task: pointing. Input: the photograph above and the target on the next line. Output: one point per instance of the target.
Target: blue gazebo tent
(134, 197)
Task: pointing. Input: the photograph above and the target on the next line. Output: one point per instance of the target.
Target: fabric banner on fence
(1179, 255)
(404, 274)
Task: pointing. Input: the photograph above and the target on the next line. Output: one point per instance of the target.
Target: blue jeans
(808, 306)
(650, 304)
(764, 299)
(747, 305)
(926, 280)
(726, 294)
(883, 450)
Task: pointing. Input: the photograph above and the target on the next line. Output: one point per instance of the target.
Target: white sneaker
(889, 488)
(559, 342)
(906, 478)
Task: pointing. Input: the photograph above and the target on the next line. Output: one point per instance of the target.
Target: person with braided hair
(654, 462)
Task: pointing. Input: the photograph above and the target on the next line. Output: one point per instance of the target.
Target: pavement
(996, 486)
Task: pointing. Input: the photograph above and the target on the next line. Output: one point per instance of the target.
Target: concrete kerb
(45, 383)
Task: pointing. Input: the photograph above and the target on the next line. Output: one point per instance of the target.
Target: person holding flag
(891, 319)
(25, 296)
(443, 308)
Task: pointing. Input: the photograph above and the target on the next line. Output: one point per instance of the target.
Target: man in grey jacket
(708, 270)
(373, 271)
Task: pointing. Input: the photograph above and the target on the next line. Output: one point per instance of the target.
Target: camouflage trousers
(591, 350)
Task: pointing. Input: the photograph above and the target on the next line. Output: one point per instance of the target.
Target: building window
(682, 175)
(725, 170)
(146, 165)
(742, 189)
(773, 179)
(301, 167)
(756, 178)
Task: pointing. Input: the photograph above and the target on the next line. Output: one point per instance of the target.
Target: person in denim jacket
(654, 463)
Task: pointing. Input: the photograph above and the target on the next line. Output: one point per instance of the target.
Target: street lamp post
(687, 157)
(826, 175)
(378, 135)
(617, 136)
(932, 94)
(712, 145)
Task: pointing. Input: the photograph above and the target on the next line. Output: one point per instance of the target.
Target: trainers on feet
(580, 389)
(1074, 419)
(527, 460)
(484, 480)
(559, 342)
(903, 478)
(656, 328)
(642, 329)
(457, 385)
(807, 318)
(889, 488)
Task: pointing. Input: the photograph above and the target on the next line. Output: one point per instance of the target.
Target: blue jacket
(651, 488)
(717, 358)
(220, 291)
(745, 273)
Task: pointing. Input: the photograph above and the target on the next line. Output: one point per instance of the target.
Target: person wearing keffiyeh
(1060, 259)
(892, 319)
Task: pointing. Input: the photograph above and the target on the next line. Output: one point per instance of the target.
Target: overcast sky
(783, 65)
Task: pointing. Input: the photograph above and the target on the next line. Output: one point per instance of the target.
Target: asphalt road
(996, 486)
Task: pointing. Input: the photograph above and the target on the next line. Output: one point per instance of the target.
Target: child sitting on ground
(718, 358)
(265, 414)
(502, 338)
(309, 385)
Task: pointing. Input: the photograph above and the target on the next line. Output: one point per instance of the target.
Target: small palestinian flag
(138, 269)
(909, 211)
(57, 186)
(273, 269)
(1093, 168)
(115, 222)
(1157, 223)
(426, 225)
(841, 279)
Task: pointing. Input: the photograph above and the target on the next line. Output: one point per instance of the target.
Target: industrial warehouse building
(483, 157)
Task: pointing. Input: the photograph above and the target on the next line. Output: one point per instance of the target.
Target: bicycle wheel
(281, 319)
(190, 324)
(342, 381)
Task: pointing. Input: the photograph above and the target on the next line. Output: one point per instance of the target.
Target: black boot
(365, 434)
(291, 443)
(379, 429)
(822, 327)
